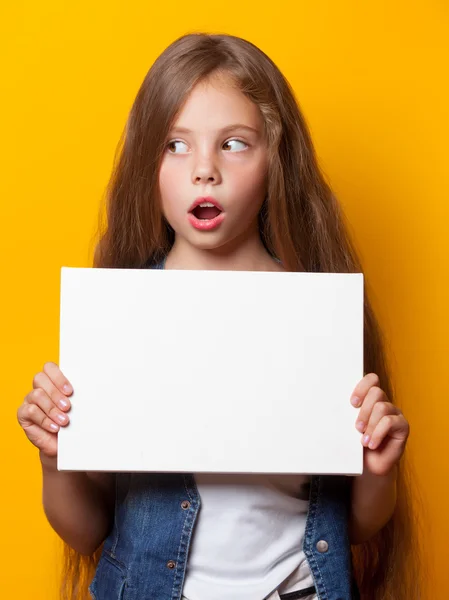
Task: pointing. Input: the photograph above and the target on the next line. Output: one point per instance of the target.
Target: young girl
(217, 171)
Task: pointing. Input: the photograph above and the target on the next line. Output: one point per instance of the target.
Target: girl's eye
(236, 141)
(173, 143)
(171, 146)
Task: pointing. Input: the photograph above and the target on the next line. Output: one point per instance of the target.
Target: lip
(206, 225)
(201, 199)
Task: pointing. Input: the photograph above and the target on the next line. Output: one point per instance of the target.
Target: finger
(31, 418)
(43, 380)
(363, 387)
(375, 395)
(41, 438)
(395, 426)
(58, 379)
(380, 410)
(41, 399)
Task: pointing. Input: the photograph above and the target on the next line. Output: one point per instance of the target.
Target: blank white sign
(211, 371)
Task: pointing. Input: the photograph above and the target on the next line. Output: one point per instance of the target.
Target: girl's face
(215, 150)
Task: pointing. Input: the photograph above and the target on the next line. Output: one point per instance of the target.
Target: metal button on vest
(171, 564)
(322, 546)
(185, 504)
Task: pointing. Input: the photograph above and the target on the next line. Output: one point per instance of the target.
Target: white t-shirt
(247, 540)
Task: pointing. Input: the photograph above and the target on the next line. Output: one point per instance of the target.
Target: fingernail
(54, 426)
(63, 403)
(67, 388)
(61, 418)
(360, 425)
(366, 439)
(355, 401)
(371, 444)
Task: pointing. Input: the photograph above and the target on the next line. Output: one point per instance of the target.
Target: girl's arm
(373, 500)
(385, 433)
(78, 505)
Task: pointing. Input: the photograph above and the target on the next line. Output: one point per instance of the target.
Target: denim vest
(144, 556)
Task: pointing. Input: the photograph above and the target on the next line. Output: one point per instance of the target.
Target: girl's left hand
(385, 429)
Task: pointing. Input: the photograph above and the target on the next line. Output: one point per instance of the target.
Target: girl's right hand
(44, 409)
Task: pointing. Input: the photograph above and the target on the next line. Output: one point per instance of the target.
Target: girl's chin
(210, 240)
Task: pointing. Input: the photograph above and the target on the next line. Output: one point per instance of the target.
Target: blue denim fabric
(144, 556)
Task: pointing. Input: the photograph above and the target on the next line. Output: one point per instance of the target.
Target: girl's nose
(206, 171)
(204, 179)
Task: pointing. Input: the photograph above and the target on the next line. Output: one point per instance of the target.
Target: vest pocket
(109, 582)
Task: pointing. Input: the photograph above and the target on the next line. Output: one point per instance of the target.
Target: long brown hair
(301, 223)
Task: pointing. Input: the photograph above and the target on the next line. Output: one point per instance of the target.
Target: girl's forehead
(217, 102)
(220, 89)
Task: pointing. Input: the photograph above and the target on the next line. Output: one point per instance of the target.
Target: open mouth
(206, 211)
(206, 216)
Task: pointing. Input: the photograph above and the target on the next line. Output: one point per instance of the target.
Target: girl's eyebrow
(223, 130)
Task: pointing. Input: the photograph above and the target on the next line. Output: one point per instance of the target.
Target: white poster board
(211, 371)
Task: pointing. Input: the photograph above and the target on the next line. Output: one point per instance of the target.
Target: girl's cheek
(253, 181)
(249, 174)
(168, 181)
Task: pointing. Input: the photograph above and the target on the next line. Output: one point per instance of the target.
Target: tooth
(207, 204)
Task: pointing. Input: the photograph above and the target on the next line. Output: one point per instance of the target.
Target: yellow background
(371, 80)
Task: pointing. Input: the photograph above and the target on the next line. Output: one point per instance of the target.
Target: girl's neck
(249, 255)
